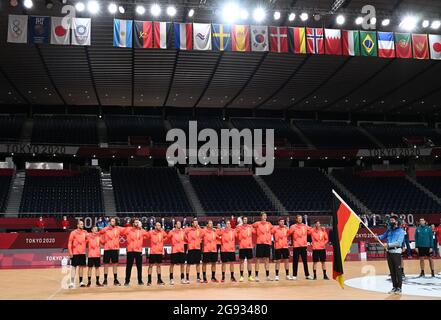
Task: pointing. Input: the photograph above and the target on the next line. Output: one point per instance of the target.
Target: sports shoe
(214, 280)
(233, 279)
(149, 283)
(88, 284)
(198, 280)
(241, 279)
(256, 279)
(288, 277)
(392, 291)
(99, 284)
(315, 278)
(276, 278)
(183, 281)
(186, 281)
(268, 279)
(309, 277)
(105, 282)
(422, 275)
(71, 285)
(172, 282)
(397, 291)
(160, 283)
(251, 279)
(140, 283)
(325, 278)
(116, 283)
(293, 278)
(82, 285)
(204, 281)
(126, 284)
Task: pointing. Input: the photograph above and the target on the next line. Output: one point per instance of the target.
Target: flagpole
(364, 224)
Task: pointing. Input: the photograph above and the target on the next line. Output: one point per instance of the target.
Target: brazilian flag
(368, 40)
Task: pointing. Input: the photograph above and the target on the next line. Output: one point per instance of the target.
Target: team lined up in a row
(192, 244)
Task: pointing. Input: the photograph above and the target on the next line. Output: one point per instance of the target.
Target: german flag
(345, 227)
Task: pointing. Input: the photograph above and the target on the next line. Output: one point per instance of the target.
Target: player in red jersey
(94, 243)
(77, 252)
(263, 244)
(177, 238)
(157, 237)
(228, 254)
(244, 234)
(209, 255)
(111, 236)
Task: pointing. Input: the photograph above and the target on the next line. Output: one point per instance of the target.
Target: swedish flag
(221, 37)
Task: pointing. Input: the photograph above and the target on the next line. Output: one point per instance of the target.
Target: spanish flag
(240, 36)
(345, 227)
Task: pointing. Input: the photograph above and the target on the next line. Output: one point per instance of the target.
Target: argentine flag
(122, 33)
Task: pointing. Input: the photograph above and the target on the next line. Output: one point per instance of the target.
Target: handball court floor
(38, 284)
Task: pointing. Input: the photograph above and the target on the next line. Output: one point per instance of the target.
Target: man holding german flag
(345, 227)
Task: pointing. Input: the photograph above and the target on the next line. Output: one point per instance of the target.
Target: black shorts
(177, 258)
(194, 256)
(245, 253)
(111, 256)
(155, 258)
(209, 257)
(424, 252)
(93, 262)
(78, 260)
(281, 254)
(263, 251)
(228, 256)
(319, 255)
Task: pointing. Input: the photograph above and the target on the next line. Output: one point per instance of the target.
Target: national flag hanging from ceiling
(403, 45)
(345, 227)
(351, 43)
(240, 38)
(122, 33)
(420, 46)
(278, 39)
(221, 37)
(386, 45)
(333, 44)
(162, 35)
(259, 38)
(315, 40)
(183, 34)
(435, 46)
(297, 40)
(143, 34)
(368, 40)
(60, 30)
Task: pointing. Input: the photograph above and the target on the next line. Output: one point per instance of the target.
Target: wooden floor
(48, 284)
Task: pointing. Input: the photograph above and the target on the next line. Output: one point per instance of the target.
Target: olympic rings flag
(18, 28)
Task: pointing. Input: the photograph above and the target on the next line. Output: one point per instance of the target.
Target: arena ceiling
(107, 76)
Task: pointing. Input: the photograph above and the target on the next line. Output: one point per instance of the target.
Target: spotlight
(230, 12)
(408, 23)
(385, 22)
(276, 15)
(140, 10)
(155, 10)
(121, 9)
(291, 16)
(49, 4)
(340, 19)
(28, 4)
(80, 7)
(304, 16)
(259, 14)
(93, 7)
(13, 3)
(359, 21)
(316, 17)
(112, 8)
(373, 20)
(191, 13)
(244, 14)
(171, 11)
(426, 23)
(435, 24)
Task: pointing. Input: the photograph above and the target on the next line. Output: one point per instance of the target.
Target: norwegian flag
(278, 39)
(314, 40)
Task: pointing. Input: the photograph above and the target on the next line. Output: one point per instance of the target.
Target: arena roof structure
(102, 75)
